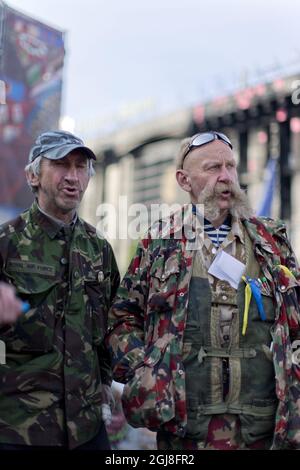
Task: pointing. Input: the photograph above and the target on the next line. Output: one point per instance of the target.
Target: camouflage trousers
(224, 433)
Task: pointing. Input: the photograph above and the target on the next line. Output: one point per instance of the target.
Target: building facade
(136, 167)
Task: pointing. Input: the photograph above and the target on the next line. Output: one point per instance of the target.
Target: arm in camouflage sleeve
(290, 419)
(287, 252)
(105, 364)
(126, 317)
(293, 265)
(103, 353)
(288, 259)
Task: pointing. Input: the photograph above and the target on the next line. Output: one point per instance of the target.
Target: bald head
(197, 141)
(212, 152)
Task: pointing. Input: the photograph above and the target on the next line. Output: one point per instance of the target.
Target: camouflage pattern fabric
(148, 318)
(223, 434)
(50, 386)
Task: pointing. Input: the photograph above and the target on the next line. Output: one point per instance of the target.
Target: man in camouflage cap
(204, 329)
(55, 380)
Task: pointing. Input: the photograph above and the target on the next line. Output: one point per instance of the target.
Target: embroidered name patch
(29, 267)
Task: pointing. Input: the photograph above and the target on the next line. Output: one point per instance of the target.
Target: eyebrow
(211, 162)
(217, 162)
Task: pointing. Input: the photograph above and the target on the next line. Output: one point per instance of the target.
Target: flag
(269, 187)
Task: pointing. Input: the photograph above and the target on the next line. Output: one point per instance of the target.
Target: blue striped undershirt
(217, 235)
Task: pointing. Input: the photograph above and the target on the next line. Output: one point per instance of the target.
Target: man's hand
(108, 403)
(10, 305)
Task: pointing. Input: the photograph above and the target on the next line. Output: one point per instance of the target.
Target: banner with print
(32, 59)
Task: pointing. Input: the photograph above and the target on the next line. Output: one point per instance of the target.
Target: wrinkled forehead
(214, 151)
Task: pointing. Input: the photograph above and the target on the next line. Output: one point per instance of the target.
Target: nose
(225, 175)
(72, 174)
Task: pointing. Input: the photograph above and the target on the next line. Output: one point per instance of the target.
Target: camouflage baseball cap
(57, 144)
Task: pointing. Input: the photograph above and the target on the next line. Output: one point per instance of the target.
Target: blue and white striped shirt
(217, 235)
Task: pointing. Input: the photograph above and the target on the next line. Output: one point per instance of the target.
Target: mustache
(233, 188)
(240, 206)
(211, 192)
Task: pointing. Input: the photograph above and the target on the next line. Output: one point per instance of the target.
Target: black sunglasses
(205, 138)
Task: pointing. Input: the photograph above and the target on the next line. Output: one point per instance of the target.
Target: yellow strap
(248, 294)
(287, 271)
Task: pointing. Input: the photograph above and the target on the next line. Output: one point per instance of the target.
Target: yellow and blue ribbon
(253, 287)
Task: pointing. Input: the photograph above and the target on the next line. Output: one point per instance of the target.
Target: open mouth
(71, 192)
(226, 193)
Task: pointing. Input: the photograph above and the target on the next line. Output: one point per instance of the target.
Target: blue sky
(135, 59)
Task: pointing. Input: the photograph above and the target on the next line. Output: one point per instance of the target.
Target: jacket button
(64, 261)
(69, 362)
(76, 274)
(180, 372)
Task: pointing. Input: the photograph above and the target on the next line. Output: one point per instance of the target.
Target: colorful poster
(32, 59)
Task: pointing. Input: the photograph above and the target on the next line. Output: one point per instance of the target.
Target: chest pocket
(33, 332)
(97, 289)
(164, 274)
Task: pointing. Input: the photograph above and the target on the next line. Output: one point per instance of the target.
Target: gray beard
(240, 207)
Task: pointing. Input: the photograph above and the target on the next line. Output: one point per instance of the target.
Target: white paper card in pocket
(227, 268)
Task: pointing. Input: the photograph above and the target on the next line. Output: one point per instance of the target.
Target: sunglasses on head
(206, 138)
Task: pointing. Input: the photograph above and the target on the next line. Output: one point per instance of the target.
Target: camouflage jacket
(148, 318)
(56, 361)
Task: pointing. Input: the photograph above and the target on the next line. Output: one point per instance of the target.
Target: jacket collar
(185, 221)
(48, 224)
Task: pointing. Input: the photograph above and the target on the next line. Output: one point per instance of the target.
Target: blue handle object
(25, 307)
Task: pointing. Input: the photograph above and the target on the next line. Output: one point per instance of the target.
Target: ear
(32, 179)
(183, 180)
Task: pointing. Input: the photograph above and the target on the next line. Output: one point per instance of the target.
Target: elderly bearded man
(55, 385)
(202, 337)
